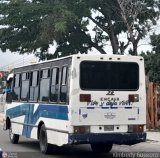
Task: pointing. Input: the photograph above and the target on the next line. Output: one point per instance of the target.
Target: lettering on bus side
(108, 102)
(110, 92)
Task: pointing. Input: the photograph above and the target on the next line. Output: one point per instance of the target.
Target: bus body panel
(100, 111)
(108, 114)
(25, 119)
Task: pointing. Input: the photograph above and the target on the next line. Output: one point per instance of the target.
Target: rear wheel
(45, 147)
(14, 138)
(101, 148)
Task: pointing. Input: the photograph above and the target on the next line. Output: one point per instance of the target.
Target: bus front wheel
(101, 148)
(14, 138)
(45, 147)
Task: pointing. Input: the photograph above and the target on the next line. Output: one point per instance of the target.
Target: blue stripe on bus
(90, 107)
(47, 111)
(114, 107)
(105, 107)
(59, 112)
(128, 107)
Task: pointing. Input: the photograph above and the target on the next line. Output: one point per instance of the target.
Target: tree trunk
(112, 36)
(123, 47)
(110, 31)
(95, 45)
(135, 46)
(114, 41)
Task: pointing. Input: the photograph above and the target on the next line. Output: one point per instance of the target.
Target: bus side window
(54, 85)
(44, 85)
(34, 81)
(25, 86)
(63, 90)
(16, 88)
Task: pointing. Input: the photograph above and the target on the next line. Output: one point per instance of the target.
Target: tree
(138, 16)
(152, 66)
(152, 60)
(32, 26)
(155, 42)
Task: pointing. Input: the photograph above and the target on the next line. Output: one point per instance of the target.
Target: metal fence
(2, 102)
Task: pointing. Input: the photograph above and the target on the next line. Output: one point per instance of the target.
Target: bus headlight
(81, 129)
(136, 128)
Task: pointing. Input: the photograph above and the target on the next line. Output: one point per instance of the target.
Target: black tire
(14, 138)
(101, 148)
(45, 147)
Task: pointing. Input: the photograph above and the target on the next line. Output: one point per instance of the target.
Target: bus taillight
(133, 97)
(85, 98)
(81, 129)
(136, 128)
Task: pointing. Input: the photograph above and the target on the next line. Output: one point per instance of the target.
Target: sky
(9, 60)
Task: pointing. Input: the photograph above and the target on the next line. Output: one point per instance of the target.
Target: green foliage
(152, 66)
(32, 26)
(152, 59)
(155, 42)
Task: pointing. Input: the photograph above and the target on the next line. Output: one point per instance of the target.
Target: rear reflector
(133, 98)
(85, 98)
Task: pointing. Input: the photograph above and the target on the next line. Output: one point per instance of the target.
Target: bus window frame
(133, 90)
(38, 85)
(40, 78)
(59, 80)
(67, 75)
(13, 87)
(27, 99)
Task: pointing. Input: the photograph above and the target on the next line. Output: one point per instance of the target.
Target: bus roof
(81, 55)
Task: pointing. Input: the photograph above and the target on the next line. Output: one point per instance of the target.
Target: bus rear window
(116, 76)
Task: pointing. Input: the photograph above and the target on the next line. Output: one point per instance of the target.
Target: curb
(153, 136)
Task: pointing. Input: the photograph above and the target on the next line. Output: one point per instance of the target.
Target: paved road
(30, 148)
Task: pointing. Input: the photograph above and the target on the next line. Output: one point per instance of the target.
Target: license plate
(109, 128)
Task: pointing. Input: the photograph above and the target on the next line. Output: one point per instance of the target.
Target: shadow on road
(33, 145)
(68, 151)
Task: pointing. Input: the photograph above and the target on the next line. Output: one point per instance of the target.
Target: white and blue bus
(81, 99)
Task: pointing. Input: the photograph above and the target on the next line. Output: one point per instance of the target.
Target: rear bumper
(114, 138)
